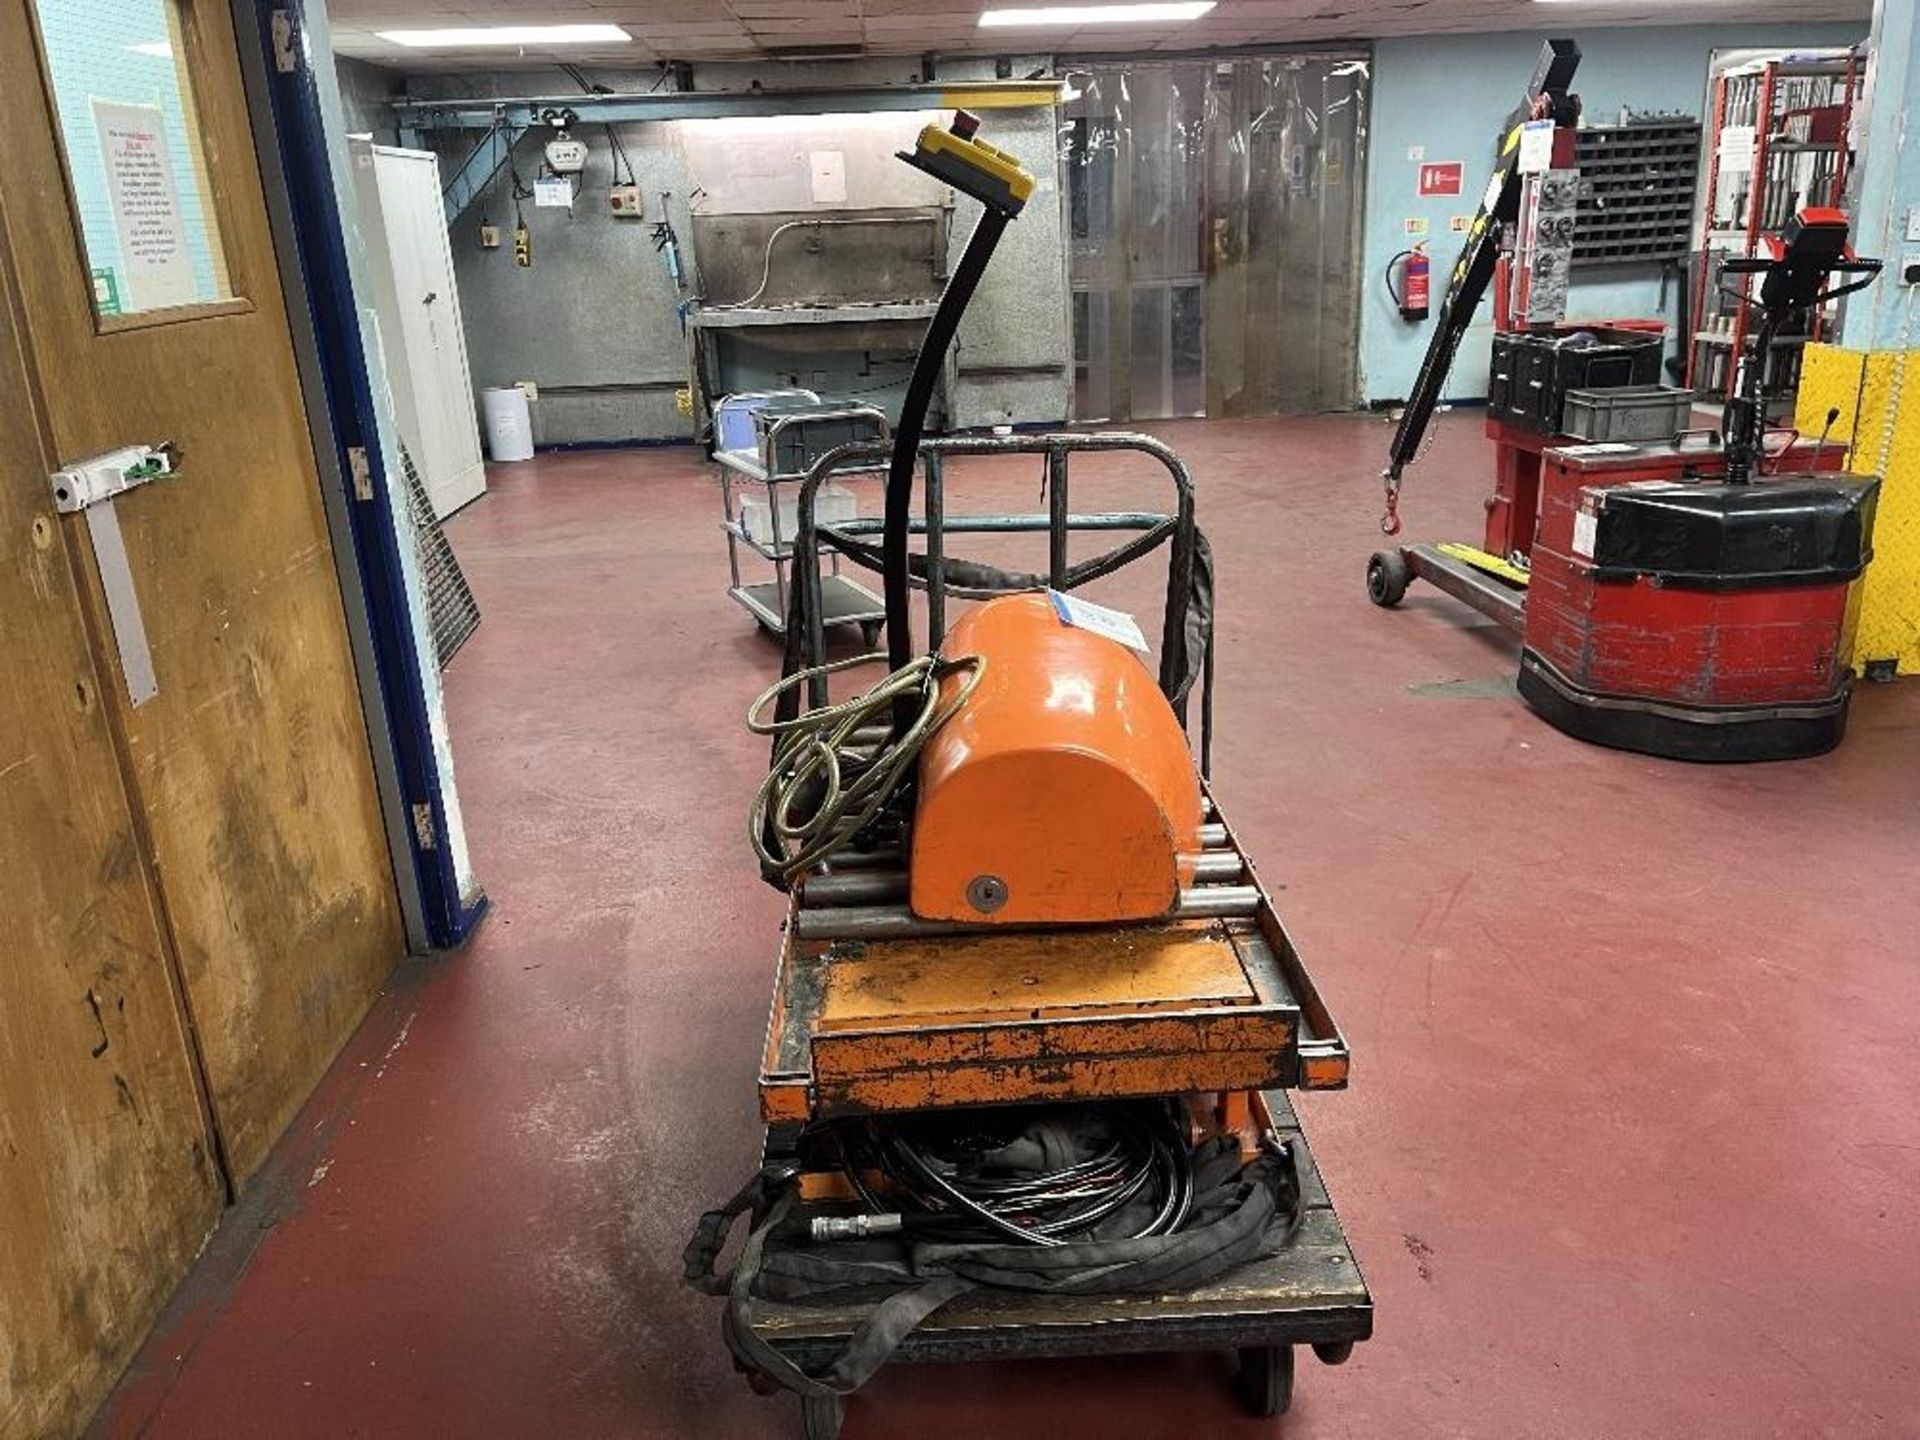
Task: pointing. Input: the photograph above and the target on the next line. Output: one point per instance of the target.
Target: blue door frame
(293, 40)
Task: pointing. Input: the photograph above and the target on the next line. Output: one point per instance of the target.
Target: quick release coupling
(827, 1229)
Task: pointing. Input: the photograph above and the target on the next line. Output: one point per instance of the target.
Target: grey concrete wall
(365, 91)
(595, 322)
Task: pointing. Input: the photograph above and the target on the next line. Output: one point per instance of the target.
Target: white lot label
(1737, 147)
(1114, 624)
(1586, 530)
(1536, 147)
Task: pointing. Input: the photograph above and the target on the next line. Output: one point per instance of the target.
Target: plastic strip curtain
(1214, 209)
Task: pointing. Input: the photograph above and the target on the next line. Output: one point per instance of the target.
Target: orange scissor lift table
(879, 1010)
(1034, 1014)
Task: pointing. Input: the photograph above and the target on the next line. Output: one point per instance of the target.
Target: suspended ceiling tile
(692, 29)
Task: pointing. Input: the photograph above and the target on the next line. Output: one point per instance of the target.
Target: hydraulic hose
(825, 786)
(906, 442)
(942, 1175)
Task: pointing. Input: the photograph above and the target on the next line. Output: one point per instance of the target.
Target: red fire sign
(1445, 178)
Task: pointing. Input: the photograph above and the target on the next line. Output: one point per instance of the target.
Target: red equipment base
(1514, 505)
(1720, 734)
(1666, 611)
(1673, 614)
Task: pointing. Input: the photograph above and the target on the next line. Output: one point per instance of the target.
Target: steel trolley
(841, 599)
(1311, 1292)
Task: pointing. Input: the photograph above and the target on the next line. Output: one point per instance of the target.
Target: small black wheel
(1388, 576)
(1265, 1381)
(1333, 1352)
(870, 633)
(821, 1416)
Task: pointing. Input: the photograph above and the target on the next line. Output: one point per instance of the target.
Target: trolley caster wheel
(870, 633)
(821, 1416)
(1388, 576)
(1333, 1352)
(1265, 1381)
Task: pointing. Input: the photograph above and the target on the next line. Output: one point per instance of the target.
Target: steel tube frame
(933, 452)
(896, 922)
(1471, 587)
(415, 117)
(887, 885)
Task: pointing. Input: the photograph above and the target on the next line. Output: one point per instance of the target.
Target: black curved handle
(913, 423)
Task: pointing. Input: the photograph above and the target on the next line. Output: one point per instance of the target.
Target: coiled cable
(823, 786)
(947, 1174)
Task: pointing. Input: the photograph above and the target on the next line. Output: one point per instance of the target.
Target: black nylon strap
(711, 1231)
(1240, 1215)
(870, 1346)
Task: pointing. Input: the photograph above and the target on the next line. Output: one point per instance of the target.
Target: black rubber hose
(913, 424)
(941, 1181)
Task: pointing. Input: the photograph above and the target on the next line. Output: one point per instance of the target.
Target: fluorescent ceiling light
(159, 49)
(1096, 14)
(509, 35)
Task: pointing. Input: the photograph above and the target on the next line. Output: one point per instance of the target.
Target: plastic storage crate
(1653, 413)
(789, 439)
(733, 415)
(832, 504)
(1532, 373)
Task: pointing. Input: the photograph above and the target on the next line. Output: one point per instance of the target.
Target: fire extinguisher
(1415, 291)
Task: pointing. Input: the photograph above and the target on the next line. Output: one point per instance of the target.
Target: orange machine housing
(1063, 792)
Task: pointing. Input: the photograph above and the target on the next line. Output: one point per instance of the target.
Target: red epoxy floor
(1635, 1129)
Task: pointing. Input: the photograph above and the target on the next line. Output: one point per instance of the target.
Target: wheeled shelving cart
(769, 440)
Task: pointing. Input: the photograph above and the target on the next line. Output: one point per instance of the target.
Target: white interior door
(445, 432)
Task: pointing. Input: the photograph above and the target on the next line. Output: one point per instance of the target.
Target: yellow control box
(987, 173)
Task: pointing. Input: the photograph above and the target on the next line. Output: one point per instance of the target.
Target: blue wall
(1889, 183)
(1449, 94)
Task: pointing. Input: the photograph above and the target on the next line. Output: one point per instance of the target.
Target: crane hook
(1390, 522)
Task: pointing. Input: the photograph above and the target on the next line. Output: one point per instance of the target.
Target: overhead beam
(421, 116)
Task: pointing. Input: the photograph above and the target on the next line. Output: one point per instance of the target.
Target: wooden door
(108, 1185)
(152, 310)
(427, 307)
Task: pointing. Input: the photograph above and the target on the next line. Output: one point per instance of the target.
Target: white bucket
(509, 425)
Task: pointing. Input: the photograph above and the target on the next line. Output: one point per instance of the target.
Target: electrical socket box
(1910, 268)
(1913, 223)
(489, 237)
(625, 200)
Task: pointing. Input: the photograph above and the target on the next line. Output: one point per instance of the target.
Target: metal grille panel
(1637, 185)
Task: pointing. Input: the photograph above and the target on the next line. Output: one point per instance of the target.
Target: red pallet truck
(1688, 597)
